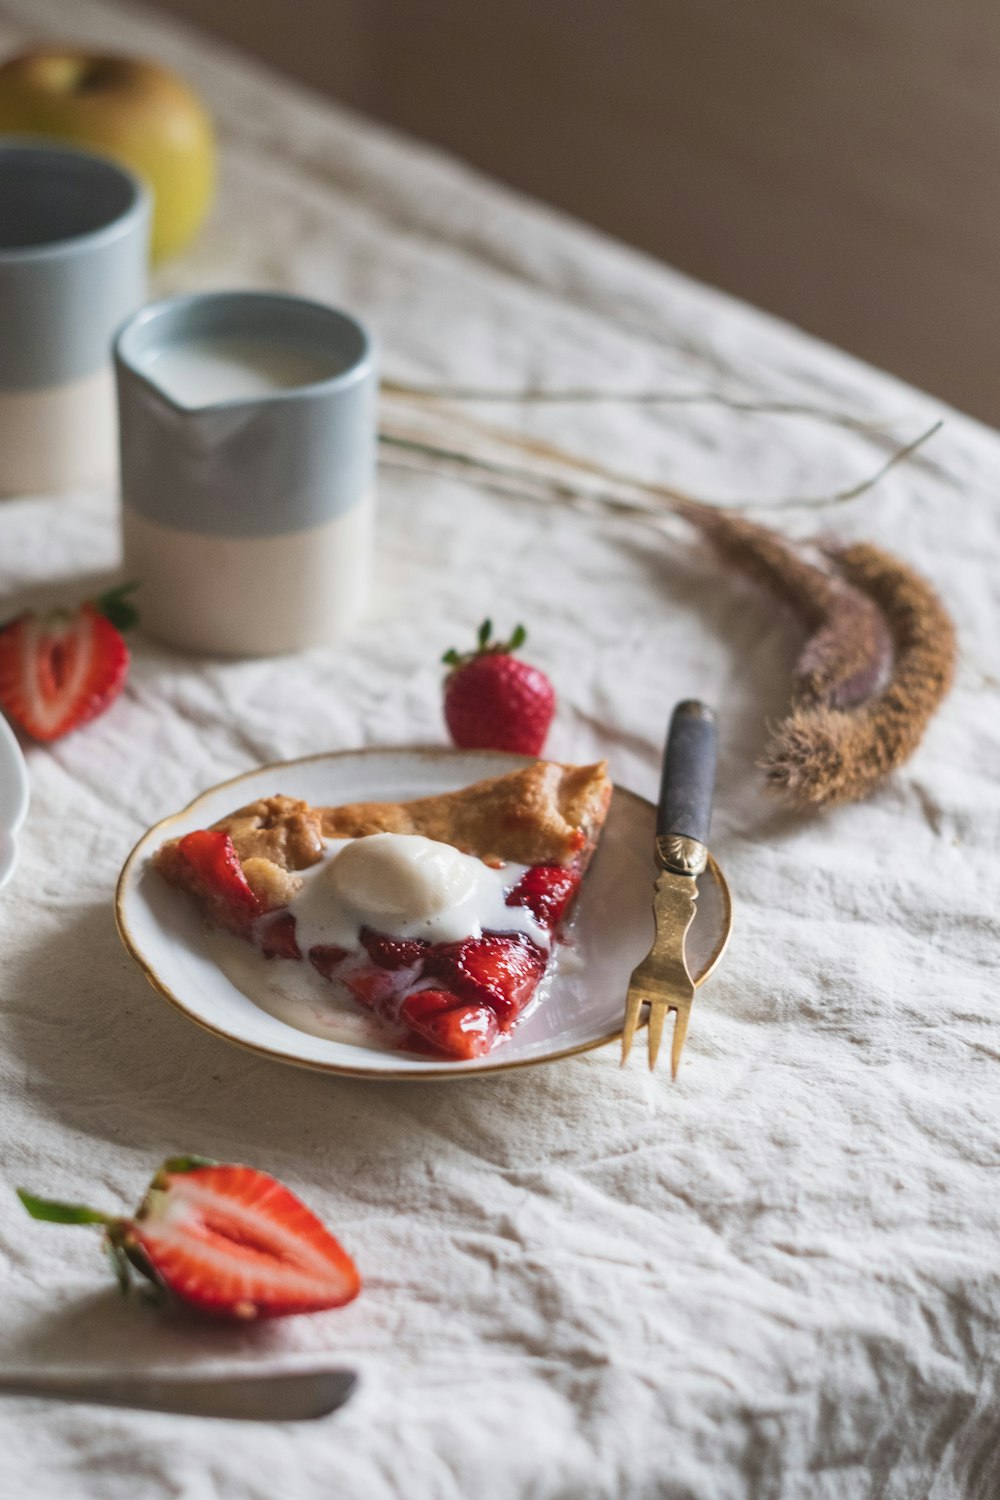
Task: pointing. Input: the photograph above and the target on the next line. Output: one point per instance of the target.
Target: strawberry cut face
(237, 1243)
(226, 1239)
(59, 671)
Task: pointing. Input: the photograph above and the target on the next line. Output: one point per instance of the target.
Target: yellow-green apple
(141, 114)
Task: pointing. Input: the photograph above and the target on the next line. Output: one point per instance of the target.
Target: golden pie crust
(545, 814)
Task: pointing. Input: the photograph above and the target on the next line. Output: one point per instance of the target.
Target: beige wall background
(834, 161)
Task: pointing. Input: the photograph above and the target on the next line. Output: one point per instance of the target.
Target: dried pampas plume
(879, 653)
(847, 656)
(878, 659)
(830, 751)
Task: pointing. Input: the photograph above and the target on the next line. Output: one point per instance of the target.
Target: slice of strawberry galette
(439, 915)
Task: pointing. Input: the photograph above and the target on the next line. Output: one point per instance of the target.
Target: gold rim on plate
(445, 1071)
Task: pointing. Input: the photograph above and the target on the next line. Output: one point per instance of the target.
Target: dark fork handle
(685, 809)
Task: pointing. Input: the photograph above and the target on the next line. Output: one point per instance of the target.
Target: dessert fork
(663, 981)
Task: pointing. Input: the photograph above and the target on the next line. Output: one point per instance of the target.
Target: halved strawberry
(547, 891)
(390, 952)
(59, 670)
(212, 856)
(498, 971)
(277, 940)
(458, 1027)
(226, 1239)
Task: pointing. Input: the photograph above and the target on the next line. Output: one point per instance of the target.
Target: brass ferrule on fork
(681, 855)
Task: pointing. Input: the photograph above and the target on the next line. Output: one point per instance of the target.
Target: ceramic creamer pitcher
(247, 424)
(74, 230)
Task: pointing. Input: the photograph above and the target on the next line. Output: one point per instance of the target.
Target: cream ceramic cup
(74, 231)
(247, 424)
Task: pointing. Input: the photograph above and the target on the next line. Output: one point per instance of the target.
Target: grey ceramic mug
(247, 424)
(74, 232)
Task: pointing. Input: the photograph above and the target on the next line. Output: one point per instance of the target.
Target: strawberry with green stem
(223, 1238)
(494, 700)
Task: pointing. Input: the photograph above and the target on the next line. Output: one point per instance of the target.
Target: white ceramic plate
(611, 932)
(13, 799)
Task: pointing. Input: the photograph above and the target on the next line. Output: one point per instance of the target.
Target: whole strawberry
(495, 701)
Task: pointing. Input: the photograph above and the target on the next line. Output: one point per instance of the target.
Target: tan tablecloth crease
(777, 1278)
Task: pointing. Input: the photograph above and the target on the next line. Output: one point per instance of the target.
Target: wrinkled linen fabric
(777, 1278)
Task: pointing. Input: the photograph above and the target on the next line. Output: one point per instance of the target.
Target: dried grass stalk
(880, 647)
(848, 651)
(824, 753)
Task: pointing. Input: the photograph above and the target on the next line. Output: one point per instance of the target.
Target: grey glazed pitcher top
(73, 238)
(250, 466)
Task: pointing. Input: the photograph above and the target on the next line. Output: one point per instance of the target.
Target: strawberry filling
(459, 997)
(547, 891)
(390, 952)
(214, 860)
(479, 986)
(326, 958)
(493, 970)
(377, 989)
(456, 1027)
(277, 940)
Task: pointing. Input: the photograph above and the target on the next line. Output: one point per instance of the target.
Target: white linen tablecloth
(777, 1278)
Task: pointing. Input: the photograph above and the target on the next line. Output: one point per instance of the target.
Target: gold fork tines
(662, 980)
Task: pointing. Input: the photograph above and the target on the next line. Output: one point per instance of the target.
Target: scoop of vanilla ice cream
(401, 878)
(405, 885)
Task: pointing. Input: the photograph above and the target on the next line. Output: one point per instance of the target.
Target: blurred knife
(284, 1396)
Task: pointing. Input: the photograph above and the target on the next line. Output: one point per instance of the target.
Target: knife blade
(683, 818)
(281, 1396)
